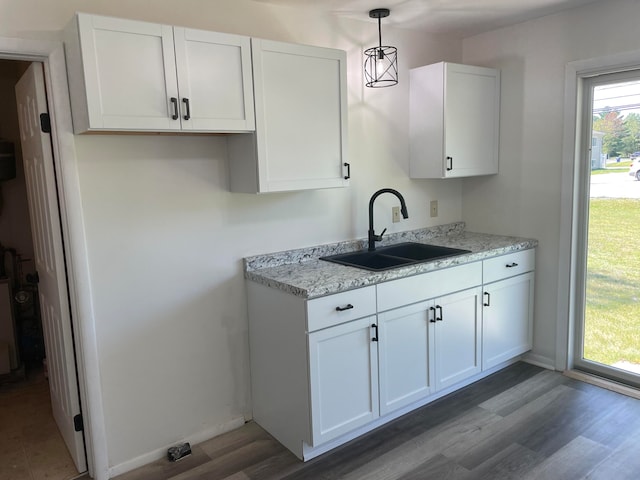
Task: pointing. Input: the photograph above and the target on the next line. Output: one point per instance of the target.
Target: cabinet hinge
(78, 424)
(45, 123)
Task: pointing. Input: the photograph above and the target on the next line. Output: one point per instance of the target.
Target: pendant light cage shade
(381, 66)
(381, 62)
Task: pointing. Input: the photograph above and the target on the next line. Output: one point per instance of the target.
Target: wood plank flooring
(523, 422)
(31, 447)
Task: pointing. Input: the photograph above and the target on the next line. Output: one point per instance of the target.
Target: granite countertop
(301, 272)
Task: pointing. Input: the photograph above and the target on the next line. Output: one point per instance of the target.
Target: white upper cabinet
(301, 121)
(454, 121)
(126, 75)
(214, 80)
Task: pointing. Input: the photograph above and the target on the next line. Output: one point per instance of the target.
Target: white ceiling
(455, 17)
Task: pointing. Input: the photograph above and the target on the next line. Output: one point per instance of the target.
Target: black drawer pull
(433, 311)
(439, 318)
(375, 327)
(342, 309)
(512, 264)
(488, 302)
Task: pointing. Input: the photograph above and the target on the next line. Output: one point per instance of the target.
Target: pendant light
(381, 62)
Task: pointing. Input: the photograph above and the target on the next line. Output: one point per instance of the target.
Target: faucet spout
(373, 238)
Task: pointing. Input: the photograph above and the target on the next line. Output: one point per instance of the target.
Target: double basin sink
(393, 256)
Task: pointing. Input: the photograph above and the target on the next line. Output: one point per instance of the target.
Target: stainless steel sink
(393, 256)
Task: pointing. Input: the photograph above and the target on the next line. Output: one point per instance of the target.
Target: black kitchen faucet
(373, 238)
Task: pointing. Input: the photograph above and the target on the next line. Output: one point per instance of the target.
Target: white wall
(525, 198)
(166, 238)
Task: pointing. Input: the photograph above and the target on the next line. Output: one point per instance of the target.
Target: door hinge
(78, 425)
(45, 123)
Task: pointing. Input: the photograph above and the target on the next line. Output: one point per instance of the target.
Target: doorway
(28, 396)
(607, 333)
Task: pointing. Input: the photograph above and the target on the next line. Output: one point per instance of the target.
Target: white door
(301, 116)
(604, 268)
(130, 74)
(507, 319)
(214, 80)
(457, 337)
(403, 351)
(49, 259)
(472, 102)
(343, 371)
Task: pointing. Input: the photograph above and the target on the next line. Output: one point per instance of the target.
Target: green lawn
(613, 167)
(612, 318)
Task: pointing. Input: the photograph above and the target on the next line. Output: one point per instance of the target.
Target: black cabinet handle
(488, 301)
(188, 115)
(432, 319)
(512, 264)
(449, 163)
(375, 327)
(348, 175)
(348, 306)
(439, 318)
(175, 115)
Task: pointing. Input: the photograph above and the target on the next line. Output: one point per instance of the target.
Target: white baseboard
(539, 360)
(159, 453)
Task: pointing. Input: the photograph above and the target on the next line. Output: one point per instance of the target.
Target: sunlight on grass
(612, 317)
(613, 167)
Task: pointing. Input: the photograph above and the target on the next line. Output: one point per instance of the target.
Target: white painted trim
(539, 360)
(575, 73)
(161, 452)
(603, 383)
(51, 54)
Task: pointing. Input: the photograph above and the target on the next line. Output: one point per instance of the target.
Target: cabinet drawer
(406, 291)
(339, 308)
(508, 265)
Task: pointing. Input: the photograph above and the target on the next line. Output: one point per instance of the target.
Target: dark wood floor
(521, 423)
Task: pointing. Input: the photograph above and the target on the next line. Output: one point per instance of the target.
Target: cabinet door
(472, 103)
(301, 111)
(343, 371)
(457, 337)
(214, 79)
(130, 74)
(507, 319)
(403, 348)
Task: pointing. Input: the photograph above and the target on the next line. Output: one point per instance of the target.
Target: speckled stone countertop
(301, 272)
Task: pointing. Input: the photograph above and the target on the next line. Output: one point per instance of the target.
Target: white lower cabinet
(326, 370)
(457, 337)
(405, 343)
(507, 319)
(428, 346)
(507, 323)
(343, 377)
